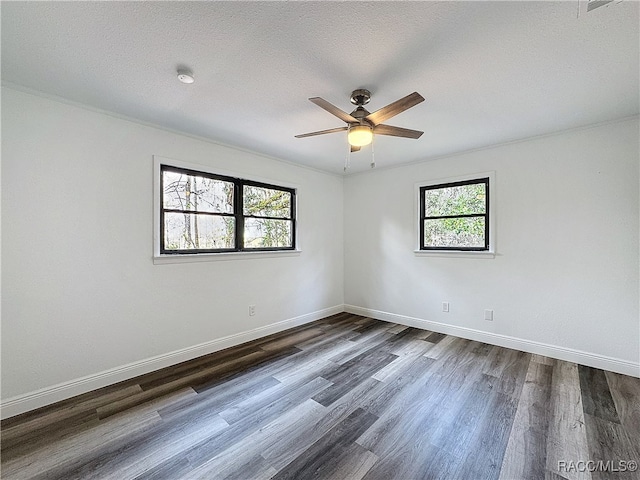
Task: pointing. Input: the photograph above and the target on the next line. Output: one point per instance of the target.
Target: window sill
(217, 257)
(454, 254)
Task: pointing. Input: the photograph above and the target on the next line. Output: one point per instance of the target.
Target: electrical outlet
(252, 310)
(488, 315)
(445, 307)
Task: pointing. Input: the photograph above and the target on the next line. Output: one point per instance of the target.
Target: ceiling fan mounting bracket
(360, 97)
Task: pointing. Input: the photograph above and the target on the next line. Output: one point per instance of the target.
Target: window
(455, 216)
(202, 212)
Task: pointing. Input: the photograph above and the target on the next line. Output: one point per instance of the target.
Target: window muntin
(206, 213)
(455, 216)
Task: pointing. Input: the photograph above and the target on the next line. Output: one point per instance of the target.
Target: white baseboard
(46, 396)
(561, 353)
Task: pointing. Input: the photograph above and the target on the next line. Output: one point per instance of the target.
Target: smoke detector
(185, 76)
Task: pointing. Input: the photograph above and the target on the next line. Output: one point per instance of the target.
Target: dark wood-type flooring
(345, 397)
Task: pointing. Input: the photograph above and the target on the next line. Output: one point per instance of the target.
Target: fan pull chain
(347, 159)
(373, 158)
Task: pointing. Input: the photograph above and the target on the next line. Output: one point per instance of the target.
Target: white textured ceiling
(491, 72)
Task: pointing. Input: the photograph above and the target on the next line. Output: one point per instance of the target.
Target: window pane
(266, 202)
(461, 200)
(190, 192)
(267, 233)
(191, 231)
(454, 232)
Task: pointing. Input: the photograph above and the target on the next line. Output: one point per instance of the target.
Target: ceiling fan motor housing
(360, 113)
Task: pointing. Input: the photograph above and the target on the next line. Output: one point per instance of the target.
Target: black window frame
(423, 217)
(238, 212)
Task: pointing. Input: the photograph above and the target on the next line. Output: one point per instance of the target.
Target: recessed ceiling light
(185, 76)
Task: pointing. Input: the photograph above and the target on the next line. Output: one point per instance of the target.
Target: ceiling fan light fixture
(360, 135)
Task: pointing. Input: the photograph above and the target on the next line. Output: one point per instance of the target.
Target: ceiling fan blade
(332, 109)
(396, 131)
(322, 132)
(394, 108)
(355, 149)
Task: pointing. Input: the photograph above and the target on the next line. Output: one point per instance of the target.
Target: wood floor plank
(435, 337)
(141, 450)
(264, 367)
(246, 368)
(292, 340)
(455, 372)
(39, 438)
(484, 458)
(412, 461)
(609, 444)
(526, 453)
(220, 397)
(423, 334)
(148, 395)
(60, 438)
(360, 320)
(329, 338)
(463, 408)
(497, 361)
(323, 458)
(596, 396)
(240, 459)
(360, 347)
(514, 373)
(286, 426)
(347, 376)
(369, 327)
(625, 392)
(174, 372)
(282, 452)
(542, 359)
(99, 395)
(401, 439)
(312, 359)
(388, 392)
(441, 348)
(549, 475)
(354, 465)
(178, 466)
(409, 412)
(454, 431)
(567, 437)
(64, 416)
(65, 451)
(344, 321)
(396, 328)
(431, 399)
(407, 354)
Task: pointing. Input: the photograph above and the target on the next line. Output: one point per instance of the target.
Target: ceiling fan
(361, 125)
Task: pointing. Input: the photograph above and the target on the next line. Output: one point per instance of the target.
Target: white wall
(566, 269)
(80, 292)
